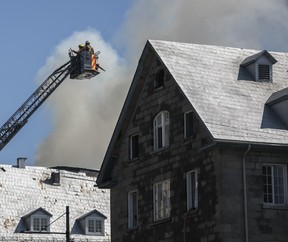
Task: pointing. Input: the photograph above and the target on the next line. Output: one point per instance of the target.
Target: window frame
(164, 127)
(40, 217)
(192, 195)
(131, 210)
(95, 219)
(284, 184)
(164, 203)
(186, 136)
(132, 151)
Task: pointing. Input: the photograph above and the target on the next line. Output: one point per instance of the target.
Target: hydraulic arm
(21, 116)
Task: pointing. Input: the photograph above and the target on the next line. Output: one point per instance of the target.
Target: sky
(74, 126)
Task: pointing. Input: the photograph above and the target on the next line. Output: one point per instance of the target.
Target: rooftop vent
(55, 176)
(260, 66)
(264, 72)
(21, 162)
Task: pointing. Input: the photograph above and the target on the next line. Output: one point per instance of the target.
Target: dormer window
(95, 226)
(39, 223)
(37, 220)
(92, 223)
(259, 66)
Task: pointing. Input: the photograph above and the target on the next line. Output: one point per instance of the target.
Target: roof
(213, 79)
(28, 190)
(253, 58)
(232, 108)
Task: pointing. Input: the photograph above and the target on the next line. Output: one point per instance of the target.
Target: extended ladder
(20, 117)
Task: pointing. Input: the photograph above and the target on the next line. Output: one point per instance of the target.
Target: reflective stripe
(93, 62)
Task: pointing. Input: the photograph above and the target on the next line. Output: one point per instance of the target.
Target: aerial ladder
(84, 65)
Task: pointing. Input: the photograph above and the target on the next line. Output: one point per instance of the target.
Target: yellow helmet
(81, 46)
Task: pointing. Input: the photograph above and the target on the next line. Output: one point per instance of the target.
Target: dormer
(278, 102)
(92, 223)
(259, 66)
(37, 221)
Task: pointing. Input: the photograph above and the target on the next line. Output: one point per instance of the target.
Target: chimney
(21, 162)
(55, 176)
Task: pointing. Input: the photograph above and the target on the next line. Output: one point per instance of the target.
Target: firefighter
(88, 47)
(81, 48)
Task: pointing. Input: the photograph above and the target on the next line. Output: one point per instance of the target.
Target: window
(39, 223)
(134, 147)
(264, 72)
(274, 184)
(161, 200)
(95, 226)
(188, 124)
(192, 190)
(159, 79)
(132, 209)
(161, 130)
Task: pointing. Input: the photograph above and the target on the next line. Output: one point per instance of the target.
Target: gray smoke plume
(85, 113)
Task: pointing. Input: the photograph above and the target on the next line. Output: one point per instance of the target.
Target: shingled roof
(26, 190)
(230, 104)
(232, 108)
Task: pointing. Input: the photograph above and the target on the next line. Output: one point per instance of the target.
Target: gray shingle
(25, 190)
(232, 108)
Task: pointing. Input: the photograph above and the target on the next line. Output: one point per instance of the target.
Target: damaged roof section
(45, 192)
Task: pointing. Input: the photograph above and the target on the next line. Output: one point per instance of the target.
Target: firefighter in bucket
(84, 65)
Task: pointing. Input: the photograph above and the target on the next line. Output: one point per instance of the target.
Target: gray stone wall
(265, 222)
(171, 163)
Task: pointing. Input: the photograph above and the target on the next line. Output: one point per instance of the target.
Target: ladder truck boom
(82, 66)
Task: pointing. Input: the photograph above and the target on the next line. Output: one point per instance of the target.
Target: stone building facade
(199, 152)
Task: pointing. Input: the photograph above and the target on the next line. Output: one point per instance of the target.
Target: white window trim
(155, 200)
(185, 123)
(130, 209)
(39, 217)
(94, 218)
(284, 166)
(165, 126)
(188, 190)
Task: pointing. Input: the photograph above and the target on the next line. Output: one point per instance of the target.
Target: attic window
(159, 79)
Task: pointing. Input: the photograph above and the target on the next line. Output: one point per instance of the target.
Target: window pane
(132, 209)
(188, 124)
(134, 150)
(192, 193)
(159, 138)
(159, 79)
(36, 224)
(91, 226)
(161, 130)
(162, 200)
(44, 224)
(274, 184)
(98, 226)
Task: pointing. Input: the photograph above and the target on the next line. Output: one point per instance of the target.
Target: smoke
(85, 112)
(245, 24)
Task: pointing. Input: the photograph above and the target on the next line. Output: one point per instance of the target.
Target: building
(199, 152)
(52, 204)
